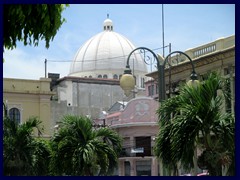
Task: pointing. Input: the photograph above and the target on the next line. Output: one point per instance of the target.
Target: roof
(105, 53)
(117, 106)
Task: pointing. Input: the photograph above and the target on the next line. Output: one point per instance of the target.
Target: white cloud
(22, 65)
(18, 64)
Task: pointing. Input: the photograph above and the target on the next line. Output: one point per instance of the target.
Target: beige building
(25, 98)
(218, 55)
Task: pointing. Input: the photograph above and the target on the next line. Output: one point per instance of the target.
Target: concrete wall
(85, 96)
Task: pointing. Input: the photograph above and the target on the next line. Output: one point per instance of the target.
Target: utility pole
(163, 30)
(45, 68)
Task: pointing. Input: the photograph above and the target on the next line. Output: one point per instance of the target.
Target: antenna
(107, 15)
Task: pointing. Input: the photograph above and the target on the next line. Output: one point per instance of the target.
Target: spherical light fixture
(193, 81)
(127, 81)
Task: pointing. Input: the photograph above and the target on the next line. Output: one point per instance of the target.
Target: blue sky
(185, 26)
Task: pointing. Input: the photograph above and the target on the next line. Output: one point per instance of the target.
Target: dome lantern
(108, 24)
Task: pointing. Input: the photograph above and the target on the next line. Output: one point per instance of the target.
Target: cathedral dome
(105, 56)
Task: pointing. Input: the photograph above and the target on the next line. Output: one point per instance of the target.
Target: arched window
(100, 76)
(115, 76)
(14, 114)
(105, 76)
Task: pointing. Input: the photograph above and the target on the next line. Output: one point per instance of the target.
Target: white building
(92, 85)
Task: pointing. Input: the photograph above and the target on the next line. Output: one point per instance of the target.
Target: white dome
(106, 54)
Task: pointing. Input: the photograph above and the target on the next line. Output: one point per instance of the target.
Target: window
(127, 167)
(143, 168)
(156, 88)
(228, 100)
(151, 90)
(14, 114)
(226, 71)
(99, 76)
(105, 76)
(115, 76)
(145, 143)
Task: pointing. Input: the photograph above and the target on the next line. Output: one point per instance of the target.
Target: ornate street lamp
(127, 81)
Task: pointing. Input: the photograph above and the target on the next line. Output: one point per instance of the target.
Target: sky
(185, 26)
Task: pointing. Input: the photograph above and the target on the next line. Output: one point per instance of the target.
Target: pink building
(137, 123)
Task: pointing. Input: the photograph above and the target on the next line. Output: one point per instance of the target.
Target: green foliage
(195, 118)
(80, 150)
(31, 23)
(19, 146)
(41, 157)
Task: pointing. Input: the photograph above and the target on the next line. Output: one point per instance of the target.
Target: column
(154, 168)
(121, 168)
(133, 167)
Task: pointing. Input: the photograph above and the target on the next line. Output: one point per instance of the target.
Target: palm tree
(195, 119)
(79, 149)
(41, 157)
(19, 146)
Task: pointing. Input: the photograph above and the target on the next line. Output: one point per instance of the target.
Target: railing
(217, 45)
(204, 50)
(126, 152)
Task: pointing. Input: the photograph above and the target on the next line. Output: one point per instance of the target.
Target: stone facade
(220, 59)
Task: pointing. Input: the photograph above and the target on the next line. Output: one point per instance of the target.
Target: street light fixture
(127, 81)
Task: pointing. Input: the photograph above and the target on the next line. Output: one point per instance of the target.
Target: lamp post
(127, 81)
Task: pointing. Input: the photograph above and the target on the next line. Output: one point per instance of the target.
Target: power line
(89, 60)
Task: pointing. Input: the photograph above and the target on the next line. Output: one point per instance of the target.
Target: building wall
(31, 98)
(220, 57)
(137, 124)
(84, 96)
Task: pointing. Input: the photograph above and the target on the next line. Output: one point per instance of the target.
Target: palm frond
(195, 118)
